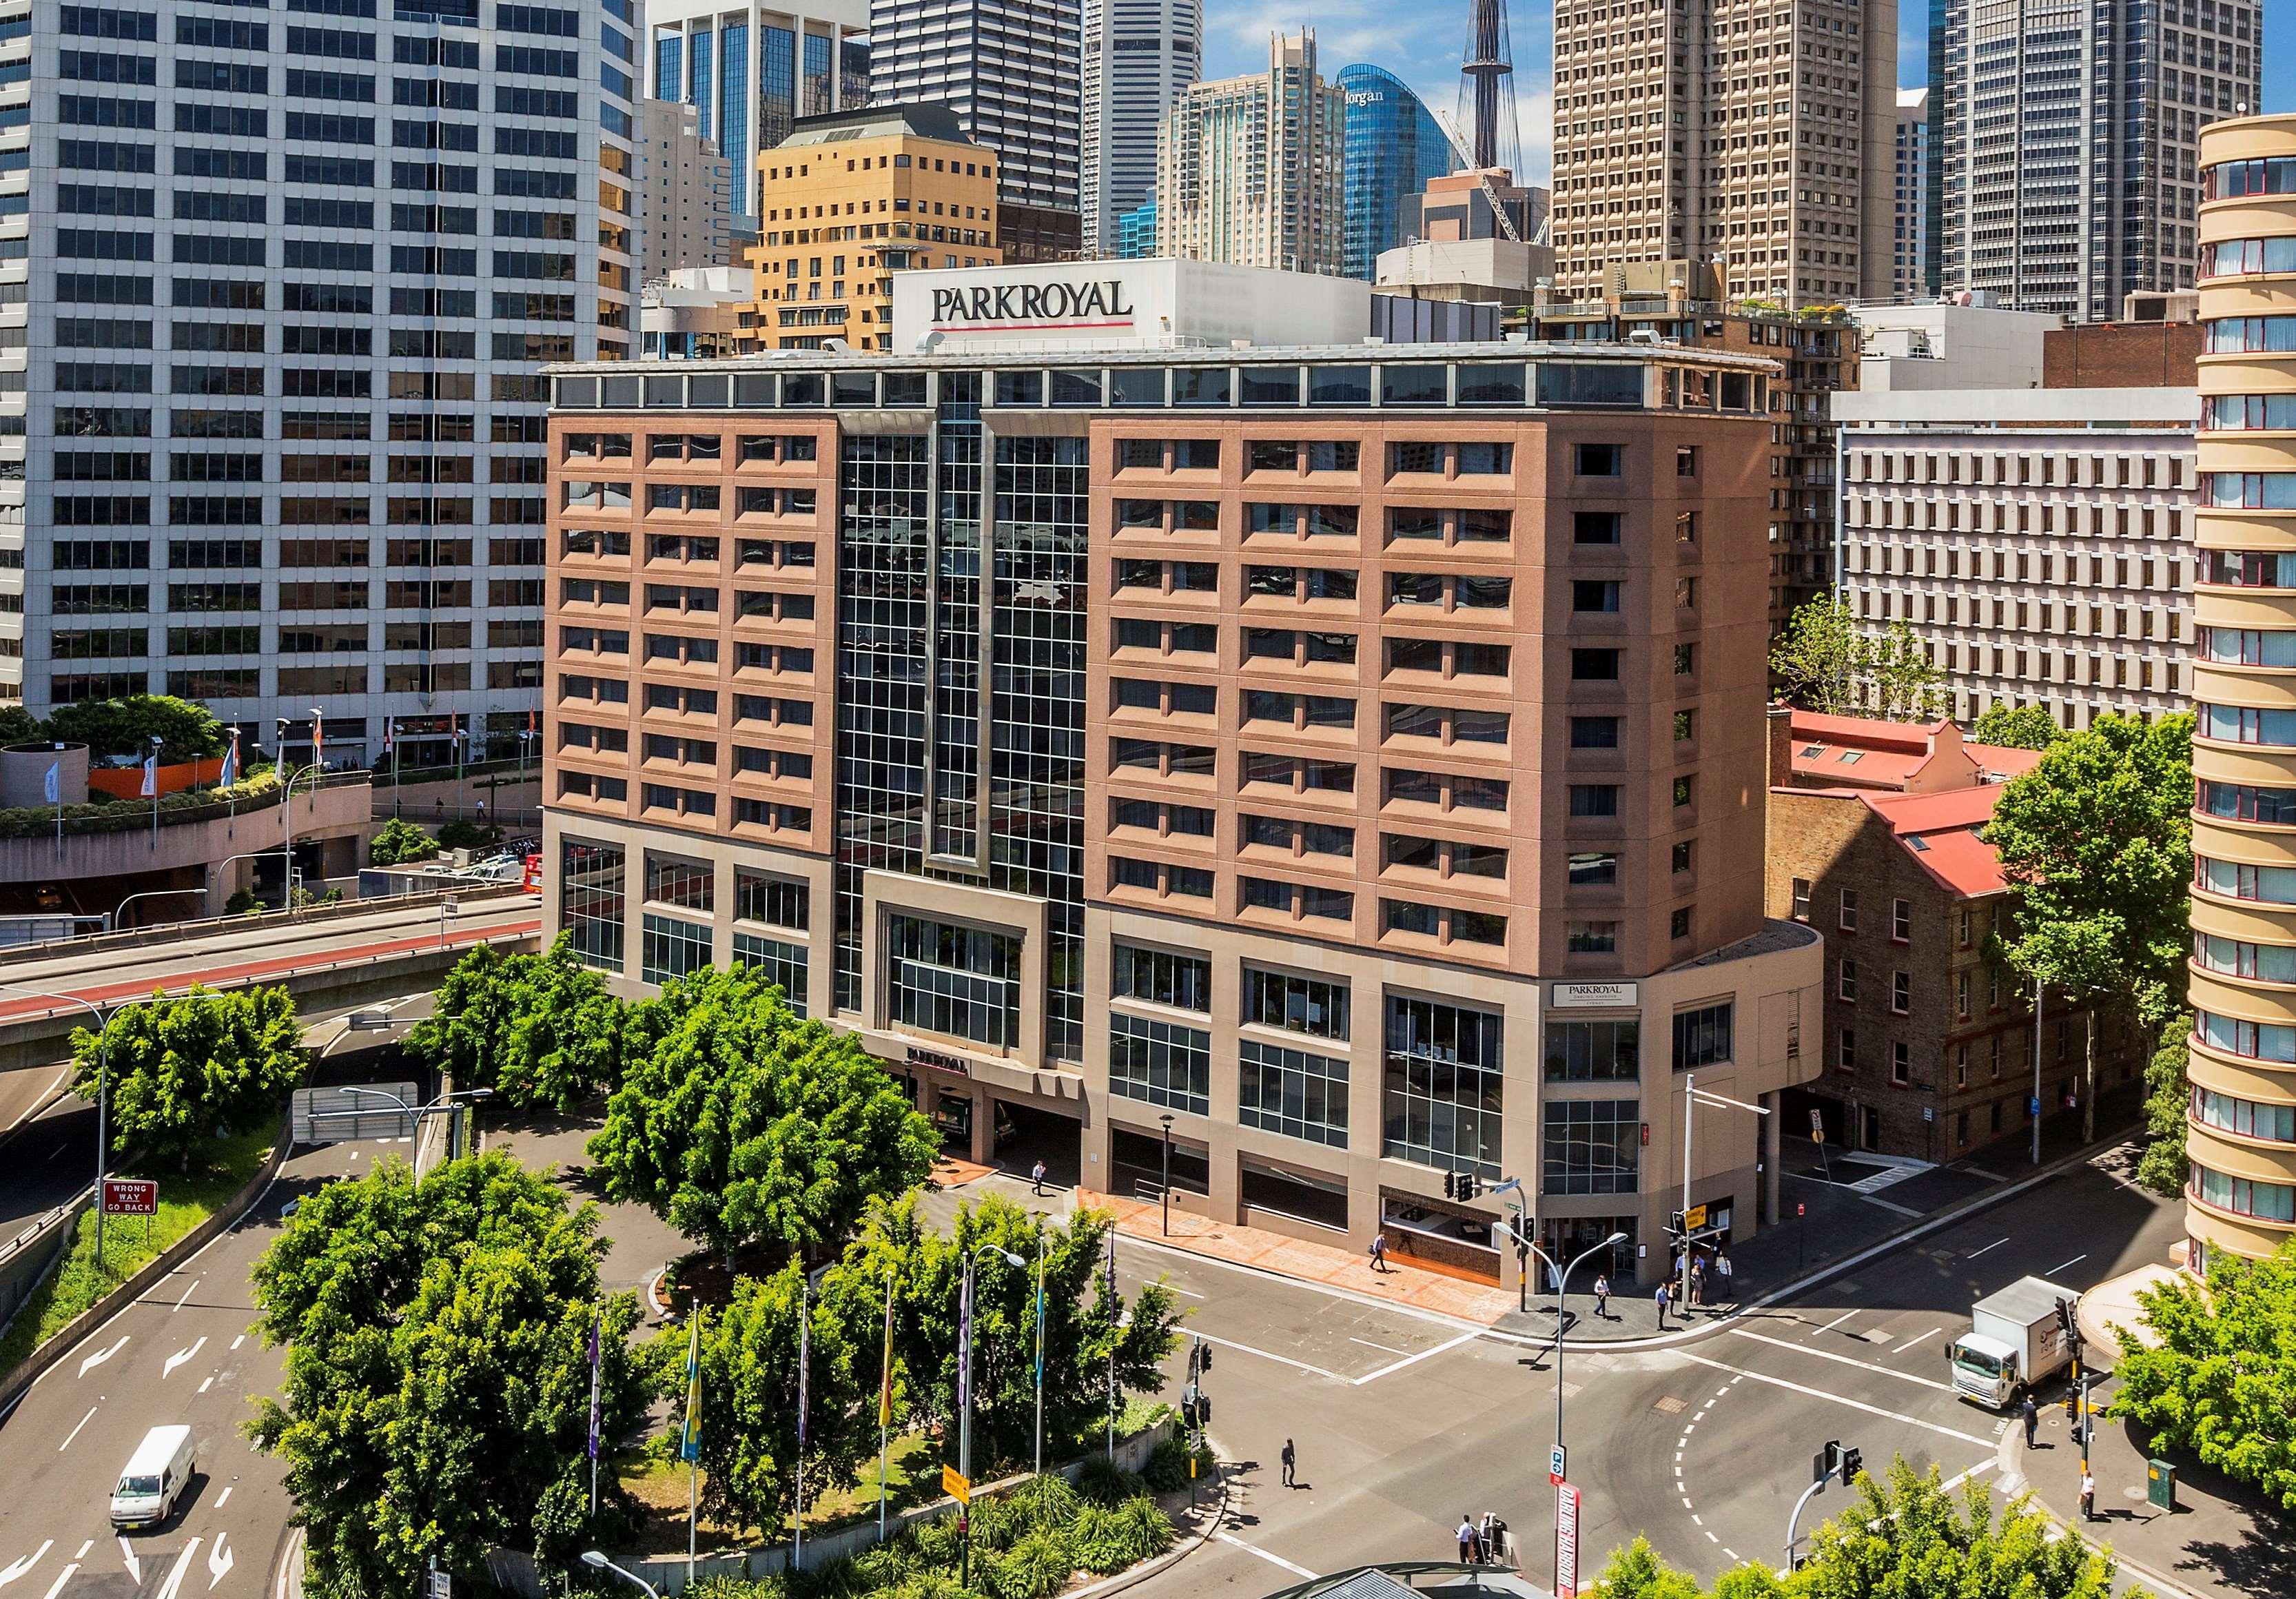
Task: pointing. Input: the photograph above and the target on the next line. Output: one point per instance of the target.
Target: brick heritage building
(1927, 1044)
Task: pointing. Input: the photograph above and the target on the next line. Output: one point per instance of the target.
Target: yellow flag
(885, 1386)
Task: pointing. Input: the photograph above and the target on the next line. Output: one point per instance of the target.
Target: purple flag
(804, 1362)
(964, 1344)
(597, 1323)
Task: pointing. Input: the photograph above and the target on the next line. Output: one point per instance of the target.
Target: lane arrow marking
(220, 1561)
(106, 1355)
(18, 1568)
(170, 1589)
(180, 1356)
(135, 1566)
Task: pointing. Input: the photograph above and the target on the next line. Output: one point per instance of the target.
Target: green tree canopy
(184, 1070)
(2016, 727)
(186, 728)
(540, 1029)
(1827, 662)
(2168, 1104)
(2220, 1379)
(436, 1399)
(1903, 1538)
(743, 1126)
(397, 843)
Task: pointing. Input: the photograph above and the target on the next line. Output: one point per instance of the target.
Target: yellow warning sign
(956, 1486)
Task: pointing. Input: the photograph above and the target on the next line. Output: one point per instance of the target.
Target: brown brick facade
(2121, 355)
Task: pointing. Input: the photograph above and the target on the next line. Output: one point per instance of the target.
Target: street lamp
(102, 1080)
(804, 1385)
(112, 922)
(1691, 1094)
(1562, 1294)
(1166, 1195)
(156, 741)
(964, 1400)
(597, 1562)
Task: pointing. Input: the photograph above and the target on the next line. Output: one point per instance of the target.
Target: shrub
(1103, 1482)
(1100, 1540)
(1037, 1566)
(1148, 1530)
(1168, 1468)
(939, 1543)
(459, 834)
(397, 843)
(1043, 1503)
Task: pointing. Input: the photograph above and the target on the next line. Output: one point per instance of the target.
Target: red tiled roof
(1939, 831)
(2004, 761)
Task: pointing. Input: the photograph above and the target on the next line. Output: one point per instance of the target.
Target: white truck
(2014, 1341)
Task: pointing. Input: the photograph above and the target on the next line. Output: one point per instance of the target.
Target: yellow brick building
(850, 199)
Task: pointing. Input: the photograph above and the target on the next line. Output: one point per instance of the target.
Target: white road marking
(57, 1152)
(63, 1578)
(1272, 1560)
(1190, 1292)
(1958, 1478)
(174, 1583)
(83, 1548)
(1710, 1535)
(106, 1355)
(1227, 1343)
(1866, 1365)
(2061, 1265)
(187, 1293)
(135, 1566)
(16, 1569)
(224, 1498)
(1987, 1250)
(1916, 1338)
(1836, 1322)
(1698, 1520)
(1416, 1360)
(180, 1356)
(239, 1340)
(206, 1383)
(1820, 1393)
(291, 1560)
(75, 1432)
(1731, 1553)
(220, 1562)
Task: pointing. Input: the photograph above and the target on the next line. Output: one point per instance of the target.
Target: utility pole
(2039, 992)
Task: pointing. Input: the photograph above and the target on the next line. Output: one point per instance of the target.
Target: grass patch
(658, 1481)
(186, 1199)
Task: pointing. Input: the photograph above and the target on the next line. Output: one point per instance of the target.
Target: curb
(15, 1384)
(1976, 1204)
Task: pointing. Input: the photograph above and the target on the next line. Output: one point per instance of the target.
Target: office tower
(2241, 1194)
(2065, 141)
(1249, 169)
(1139, 56)
(1393, 148)
(1687, 129)
(1135, 232)
(1011, 71)
(924, 196)
(1911, 271)
(685, 217)
(744, 70)
(281, 423)
(1358, 756)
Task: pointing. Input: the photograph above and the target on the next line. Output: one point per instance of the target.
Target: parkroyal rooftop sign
(1040, 308)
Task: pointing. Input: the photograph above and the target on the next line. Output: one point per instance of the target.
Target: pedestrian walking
(1602, 1297)
(1664, 1298)
(1494, 1536)
(2089, 1496)
(2032, 1414)
(1697, 1280)
(1722, 1270)
(1466, 1540)
(1291, 1459)
(1378, 1251)
(1036, 1177)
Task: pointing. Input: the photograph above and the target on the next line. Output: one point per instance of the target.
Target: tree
(183, 1070)
(2168, 1103)
(540, 1029)
(187, 729)
(1906, 1537)
(2016, 727)
(2097, 840)
(18, 725)
(398, 842)
(1826, 662)
(2216, 1376)
(741, 1126)
(436, 1398)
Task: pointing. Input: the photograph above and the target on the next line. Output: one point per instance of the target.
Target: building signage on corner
(1102, 303)
(1589, 997)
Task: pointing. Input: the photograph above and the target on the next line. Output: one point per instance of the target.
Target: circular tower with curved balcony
(2240, 1193)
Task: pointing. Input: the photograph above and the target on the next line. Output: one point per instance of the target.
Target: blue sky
(1420, 41)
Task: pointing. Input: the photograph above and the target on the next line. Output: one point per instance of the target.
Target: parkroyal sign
(1021, 307)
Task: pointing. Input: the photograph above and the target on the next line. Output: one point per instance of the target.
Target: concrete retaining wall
(27, 1258)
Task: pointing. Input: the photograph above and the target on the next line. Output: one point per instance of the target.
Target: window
(1701, 1037)
(1901, 1057)
(1686, 790)
(1316, 1006)
(1591, 1146)
(783, 965)
(1593, 732)
(1847, 985)
(1292, 1092)
(590, 893)
(1846, 914)
(1590, 937)
(2275, 1124)
(1594, 799)
(1961, 994)
(962, 982)
(688, 884)
(1598, 460)
(1161, 977)
(1845, 1058)
(1442, 1083)
(779, 901)
(1593, 869)
(1901, 920)
(2267, 1201)
(1595, 666)
(673, 947)
(1160, 1062)
(1594, 1052)
(1801, 898)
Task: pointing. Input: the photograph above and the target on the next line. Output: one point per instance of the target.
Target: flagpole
(1112, 1340)
(692, 1444)
(885, 1413)
(804, 1371)
(597, 1323)
(1040, 1353)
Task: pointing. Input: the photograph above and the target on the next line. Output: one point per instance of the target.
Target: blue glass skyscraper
(1393, 147)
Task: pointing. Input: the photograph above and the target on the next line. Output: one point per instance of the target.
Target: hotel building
(1249, 169)
(2241, 1194)
(1352, 757)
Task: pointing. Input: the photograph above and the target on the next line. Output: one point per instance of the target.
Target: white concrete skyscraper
(1139, 56)
(271, 431)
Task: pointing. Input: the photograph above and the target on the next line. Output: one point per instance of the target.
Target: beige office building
(685, 193)
(1248, 168)
(2240, 1194)
(1698, 129)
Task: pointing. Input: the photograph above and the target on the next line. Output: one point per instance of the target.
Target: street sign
(957, 1488)
(2032, 1104)
(1556, 1460)
(1816, 1126)
(337, 1116)
(130, 1196)
(442, 1585)
(1929, 1114)
(1566, 1541)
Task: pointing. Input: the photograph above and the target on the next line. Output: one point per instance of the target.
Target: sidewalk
(2223, 1539)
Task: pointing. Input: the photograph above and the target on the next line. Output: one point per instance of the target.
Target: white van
(154, 1476)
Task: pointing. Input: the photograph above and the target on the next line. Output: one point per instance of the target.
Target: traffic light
(1471, 1185)
(1205, 1359)
(1827, 1461)
(1673, 1223)
(1850, 1463)
(1450, 1184)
